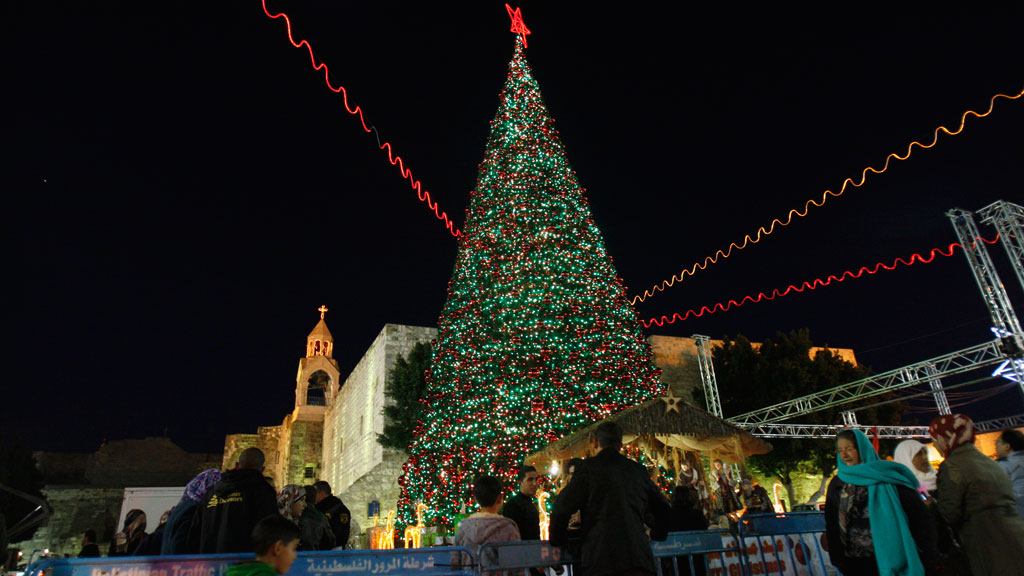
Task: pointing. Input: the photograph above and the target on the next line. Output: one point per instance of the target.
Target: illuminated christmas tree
(537, 337)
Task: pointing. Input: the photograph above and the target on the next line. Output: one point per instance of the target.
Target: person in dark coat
(175, 536)
(336, 512)
(976, 499)
(127, 540)
(1010, 448)
(755, 498)
(229, 512)
(89, 547)
(522, 508)
(314, 525)
(867, 534)
(150, 545)
(614, 494)
(687, 514)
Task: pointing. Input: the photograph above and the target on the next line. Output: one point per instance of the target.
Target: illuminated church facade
(331, 432)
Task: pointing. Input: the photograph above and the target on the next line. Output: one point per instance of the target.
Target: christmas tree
(537, 337)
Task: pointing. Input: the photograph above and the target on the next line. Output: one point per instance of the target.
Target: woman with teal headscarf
(875, 520)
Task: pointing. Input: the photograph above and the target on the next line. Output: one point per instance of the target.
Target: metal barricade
(791, 544)
(703, 552)
(522, 556)
(401, 562)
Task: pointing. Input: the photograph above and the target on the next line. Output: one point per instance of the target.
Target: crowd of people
(218, 512)
(903, 517)
(890, 517)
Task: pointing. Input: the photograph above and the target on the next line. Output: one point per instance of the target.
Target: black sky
(188, 191)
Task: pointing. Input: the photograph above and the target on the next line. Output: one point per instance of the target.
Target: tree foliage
(405, 390)
(781, 369)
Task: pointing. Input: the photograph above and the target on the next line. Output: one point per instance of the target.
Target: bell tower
(316, 383)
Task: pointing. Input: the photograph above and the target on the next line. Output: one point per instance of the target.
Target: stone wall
(351, 426)
(145, 462)
(76, 508)
(380, 484)
(86, 490)
(304, 447)
(677, 358)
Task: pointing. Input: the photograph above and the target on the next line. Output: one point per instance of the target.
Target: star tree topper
(517, 23)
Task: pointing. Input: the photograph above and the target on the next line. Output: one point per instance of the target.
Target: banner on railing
(780, 554)
(413, 562)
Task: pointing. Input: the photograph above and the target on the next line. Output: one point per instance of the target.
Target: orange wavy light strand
(747, 240)
(720, 307)
(416, 185)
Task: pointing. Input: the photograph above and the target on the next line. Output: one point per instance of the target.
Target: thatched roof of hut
(658, 425)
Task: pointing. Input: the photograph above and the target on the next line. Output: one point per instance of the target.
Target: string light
(720, 307)
(762, 232)
(415, 184)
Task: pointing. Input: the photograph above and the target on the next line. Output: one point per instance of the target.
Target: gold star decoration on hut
(671, 402)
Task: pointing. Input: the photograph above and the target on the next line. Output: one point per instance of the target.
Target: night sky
(188, 191)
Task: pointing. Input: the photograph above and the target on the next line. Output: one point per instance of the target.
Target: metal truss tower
(707, 374)
(828, 431)
(992, 291)
(973, 358)
(1008, 220)
(1006, 350)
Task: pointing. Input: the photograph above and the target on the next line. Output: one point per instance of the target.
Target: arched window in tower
(316, 348)
(316, 389)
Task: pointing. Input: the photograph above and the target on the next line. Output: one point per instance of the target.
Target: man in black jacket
(335, 510)
(233, 507)
(522, 508)
(613, 494)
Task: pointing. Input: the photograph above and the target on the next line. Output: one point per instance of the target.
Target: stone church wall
(85, 491)
(76, 508)
(351, 453)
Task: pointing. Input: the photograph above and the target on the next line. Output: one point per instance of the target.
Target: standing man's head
(251, 459)
(274, 540)
(718, 464)
(488, 492)
(527, 477)
(89, 537)
(608, 435)
(323, 490)
(1008, 442)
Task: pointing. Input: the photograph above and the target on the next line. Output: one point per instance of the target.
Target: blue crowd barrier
(400, 562)
(785, 544)
(700, 549)
(779, 544)
(521, 556)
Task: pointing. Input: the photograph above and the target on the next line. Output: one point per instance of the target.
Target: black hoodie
(231, 509)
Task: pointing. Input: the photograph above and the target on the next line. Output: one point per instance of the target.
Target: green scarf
(895, 550)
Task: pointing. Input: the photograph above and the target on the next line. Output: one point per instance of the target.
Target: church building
(331, 432)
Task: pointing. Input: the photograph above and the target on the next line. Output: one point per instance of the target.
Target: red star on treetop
(517, 23)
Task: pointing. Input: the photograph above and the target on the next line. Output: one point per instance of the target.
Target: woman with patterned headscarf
(176, 533)
(127, 540)
(976, 499)
(291, 503)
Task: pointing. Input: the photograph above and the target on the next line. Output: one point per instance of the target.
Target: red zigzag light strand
(720, 307)
(423, 195)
